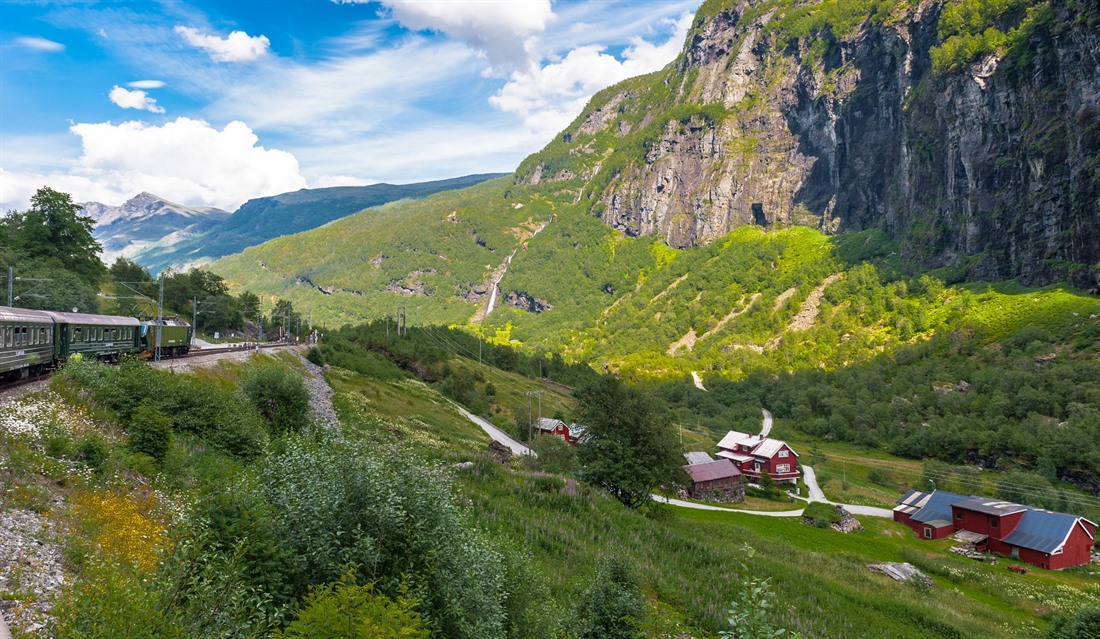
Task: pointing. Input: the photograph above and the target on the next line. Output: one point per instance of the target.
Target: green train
(34, 341)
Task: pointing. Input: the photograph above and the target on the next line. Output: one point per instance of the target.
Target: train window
(32, 337)
(77, 332)
(42, 336)
(7, 337)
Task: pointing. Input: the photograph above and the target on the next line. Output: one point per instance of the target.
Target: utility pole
(160, 318)
(11, 275)
(194, 317)
(529, 395)
(402, 322)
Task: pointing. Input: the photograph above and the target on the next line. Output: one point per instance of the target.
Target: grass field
(691, 561)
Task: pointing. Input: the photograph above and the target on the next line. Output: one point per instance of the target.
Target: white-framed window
(783, 453)
(783, 468)
(927, 532)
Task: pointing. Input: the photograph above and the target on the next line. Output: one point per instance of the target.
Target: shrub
(612, 607)
(1085, 624)
(150, 431)
(280, 395)
(344, 610)
(553, 455)
(339, 504)
(93, 451)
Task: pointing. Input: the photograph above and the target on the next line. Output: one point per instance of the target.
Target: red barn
(1039, 537)
(755, 455)
(928, 514)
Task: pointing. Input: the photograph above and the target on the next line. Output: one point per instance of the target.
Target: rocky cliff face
(991, 164)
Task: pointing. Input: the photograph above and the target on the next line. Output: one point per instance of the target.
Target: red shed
(716, 479)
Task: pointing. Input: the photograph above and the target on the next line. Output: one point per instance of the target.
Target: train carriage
(175, 336)
(99, 336)
(27, 341)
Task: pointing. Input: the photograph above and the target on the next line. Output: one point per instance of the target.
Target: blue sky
(213, 103)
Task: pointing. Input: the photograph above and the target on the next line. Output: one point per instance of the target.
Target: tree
(124, 270)
(53, 230)
(249, 304)
(629, 448)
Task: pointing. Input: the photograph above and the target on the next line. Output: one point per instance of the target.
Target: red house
(755, 455)
(570, 433)
(1039, 537)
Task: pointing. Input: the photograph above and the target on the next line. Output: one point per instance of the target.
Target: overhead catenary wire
(977, 484)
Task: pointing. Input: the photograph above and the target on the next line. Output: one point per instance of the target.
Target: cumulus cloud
(503, 31)
(135, 99)
(146, 84)
(186, 161)
(41, 44)
(548, 97)
(238, 46)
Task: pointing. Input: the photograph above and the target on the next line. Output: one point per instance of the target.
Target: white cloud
(146, 84)
(41, 44)
(238, 46)
(326, 181)
(135, 99)
(548, 97)
(186, 161)
(503, 31)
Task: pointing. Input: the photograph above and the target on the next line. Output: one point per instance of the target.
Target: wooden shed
(716, 481)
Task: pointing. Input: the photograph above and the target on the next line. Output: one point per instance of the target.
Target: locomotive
(34, 341)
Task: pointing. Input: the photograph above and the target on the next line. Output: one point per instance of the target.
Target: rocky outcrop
(526, 302)
(990, 165)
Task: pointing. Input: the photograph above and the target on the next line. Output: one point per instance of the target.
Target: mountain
(968, 131)
(804, 187)
(146, 220)
(265, 218)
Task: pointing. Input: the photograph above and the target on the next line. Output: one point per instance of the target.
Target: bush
(93, 451)
(344, 610)
(553, 455)
(335, 504)
(612, 607)
(150, 431)
(280, 395)
(1085, 624)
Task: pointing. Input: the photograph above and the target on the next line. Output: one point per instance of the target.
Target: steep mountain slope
(146, 220)
(262, 219)
(969, 131)
(709, 216)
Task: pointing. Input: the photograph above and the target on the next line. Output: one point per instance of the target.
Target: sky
(211, 103)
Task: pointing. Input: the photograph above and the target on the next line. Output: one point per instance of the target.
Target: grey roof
(99, 320)
(1043, 530)
(698, 458)
(990, 506)
(938, 507)
(549, 424)
(9, 314)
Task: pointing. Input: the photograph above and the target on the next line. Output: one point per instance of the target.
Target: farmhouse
(548, 426)
(716, 481)
(1039, 537)
(755, 455)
